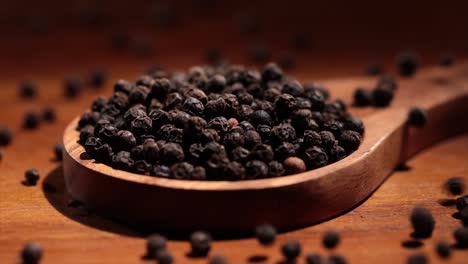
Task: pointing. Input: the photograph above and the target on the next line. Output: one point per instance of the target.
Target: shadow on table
(56, 193)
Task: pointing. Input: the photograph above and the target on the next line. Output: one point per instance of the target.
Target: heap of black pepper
(218, 123)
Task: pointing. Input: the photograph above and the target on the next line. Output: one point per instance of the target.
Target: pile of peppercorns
(223, 123)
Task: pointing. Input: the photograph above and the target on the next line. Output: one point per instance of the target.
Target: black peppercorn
(219, 124)
(49, 115)
(328, 140)
(154, 244)
(446, 60)
(122, 160)
(354, 124)
(91, 144)
(284, 151)
(464, 216)
(362, 97)
(259, 53)
(164, 257)
(275, 169)
(337, 153)
(138, 94)
(285, 104)
(293, 88)
(171, 153)
(271, 72)
(462, 202)
(350, 140)
(282, 133)
(261, 152)
(417, 259)
(239, 154)
(382, 97)
(161, 171)
(103, 153)
(334, 126)
(72, 87)
(443, 249)
(256, 169)
(461, 236)
(422, 221)
(374, 70)
(266, 234)
(407, 64)
(97, 78)
(58, 151)
(141, 125)
(31, 120)
(193, 106)
(331, 239)
(251, 139)
(31, 253)
(313, 259)
(5, 136)
(31, 176)
(181, 171)
(312, 138)
(260, 117)
(200, 242)
(455, 185)
(123, 86)
(315, 157)
(337, 259)
(417, 117)
(27, 89)
(291, 250)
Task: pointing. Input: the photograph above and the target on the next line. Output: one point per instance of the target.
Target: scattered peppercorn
(31, 120)
(417, 117)
(443, 249)
(72, 87)
(382, 96)
(337, 259)
(154, 245)
(97, 78)
(291, 250)
(28, 89)
(313, 259)
(58, 150)
(164, 257)
(362, 97)
(31, 176)
(331, 239)
(417, 259)
(455, 185)
(48, 114)
(464, 216)
(374, 70)
(265, 234)
(462, 202)
(5, 136)
(422, 221)
(224, 122)
(32, 253)
(201, 243)
(407, 64)
(461, 236)
(446, 60)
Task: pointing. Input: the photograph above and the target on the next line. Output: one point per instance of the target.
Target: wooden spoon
(286, 202)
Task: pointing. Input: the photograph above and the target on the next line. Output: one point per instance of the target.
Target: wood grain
(372, 232)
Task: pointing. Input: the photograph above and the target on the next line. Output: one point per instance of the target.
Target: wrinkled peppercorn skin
(222, 122)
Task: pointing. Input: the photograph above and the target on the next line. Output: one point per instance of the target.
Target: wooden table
(373, 232)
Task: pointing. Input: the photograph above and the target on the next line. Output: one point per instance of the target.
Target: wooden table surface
(373, 232)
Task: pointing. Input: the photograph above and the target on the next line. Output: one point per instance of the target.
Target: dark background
(64, 37)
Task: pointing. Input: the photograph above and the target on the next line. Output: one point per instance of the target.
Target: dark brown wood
(373, 231)
(286, 202)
